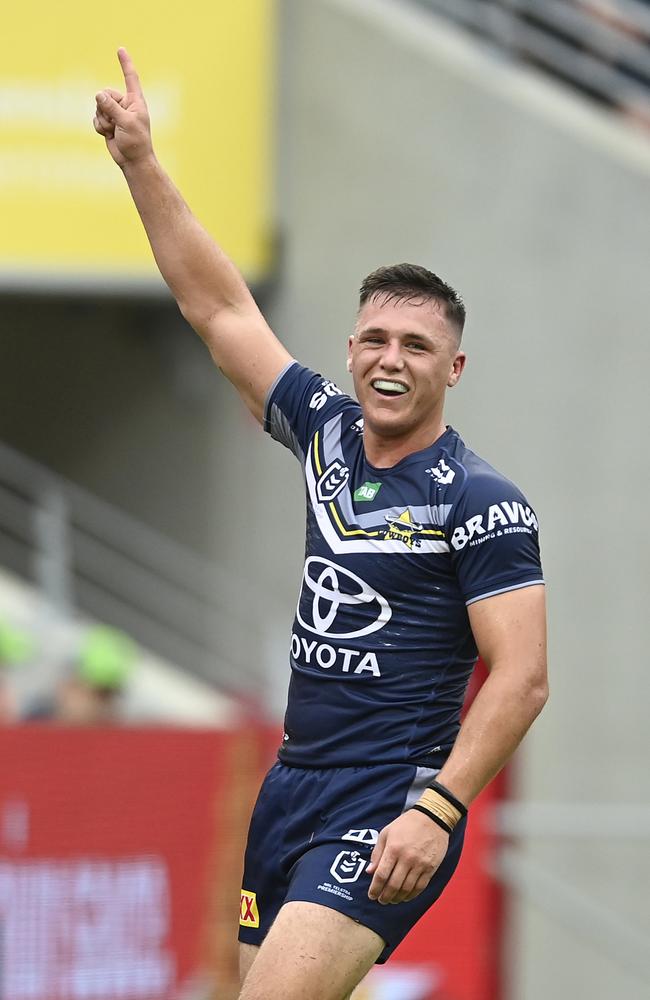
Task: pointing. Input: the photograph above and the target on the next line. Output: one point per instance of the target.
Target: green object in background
(106, 657)
(16, 646)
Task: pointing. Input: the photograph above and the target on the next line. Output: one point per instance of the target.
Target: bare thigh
(247, 955)
(310, 953)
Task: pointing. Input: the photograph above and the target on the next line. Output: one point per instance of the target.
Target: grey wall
(117, 397)
(399, 142)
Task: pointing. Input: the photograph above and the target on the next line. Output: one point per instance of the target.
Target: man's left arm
(510, 634)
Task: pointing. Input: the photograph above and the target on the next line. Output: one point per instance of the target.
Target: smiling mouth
(386, 387)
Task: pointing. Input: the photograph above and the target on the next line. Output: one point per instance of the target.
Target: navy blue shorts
(311, 836)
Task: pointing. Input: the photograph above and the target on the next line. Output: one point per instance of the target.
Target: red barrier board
(120, 861)
(106, 837)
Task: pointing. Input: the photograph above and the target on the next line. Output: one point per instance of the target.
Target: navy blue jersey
(381, 647)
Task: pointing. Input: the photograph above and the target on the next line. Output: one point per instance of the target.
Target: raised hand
(123, 119)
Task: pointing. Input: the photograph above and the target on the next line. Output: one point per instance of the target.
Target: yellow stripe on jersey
(349, 532)
(346, 532)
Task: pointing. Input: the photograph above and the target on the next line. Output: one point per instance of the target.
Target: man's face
(403, 356)
(83, 704)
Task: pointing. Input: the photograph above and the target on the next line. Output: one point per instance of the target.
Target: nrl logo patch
(334, 479)
(347, 866)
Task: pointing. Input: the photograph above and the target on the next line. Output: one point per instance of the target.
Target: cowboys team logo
(248, 913)
(347, 866)
(334, 479)
(403, 528)
(333, 599)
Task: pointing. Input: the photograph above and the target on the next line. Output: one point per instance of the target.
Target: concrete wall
(116, 397)
(401, 141)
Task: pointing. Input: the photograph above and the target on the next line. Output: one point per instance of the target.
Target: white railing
(83, 553)
(607, 56)
(590, 920)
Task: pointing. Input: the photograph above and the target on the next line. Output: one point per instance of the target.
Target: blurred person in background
(91, 692)
(359, 825)
(15, 648)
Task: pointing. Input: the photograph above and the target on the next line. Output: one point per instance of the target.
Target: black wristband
(436, 819)
(446, 794)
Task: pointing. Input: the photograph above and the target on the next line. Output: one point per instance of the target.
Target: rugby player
(420, 555)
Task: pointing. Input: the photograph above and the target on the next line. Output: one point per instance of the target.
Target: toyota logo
(335, 593)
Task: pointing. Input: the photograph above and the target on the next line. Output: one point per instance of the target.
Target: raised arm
(207, 286)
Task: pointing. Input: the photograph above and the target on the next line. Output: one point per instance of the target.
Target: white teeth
(381, 383)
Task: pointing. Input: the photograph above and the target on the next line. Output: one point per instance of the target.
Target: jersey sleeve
(298, 403)
(493, 536)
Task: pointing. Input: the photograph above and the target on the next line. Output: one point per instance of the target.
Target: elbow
(538, 696)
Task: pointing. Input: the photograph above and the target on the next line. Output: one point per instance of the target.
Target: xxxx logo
(248, 913)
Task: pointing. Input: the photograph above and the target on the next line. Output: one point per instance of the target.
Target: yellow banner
(206, 70)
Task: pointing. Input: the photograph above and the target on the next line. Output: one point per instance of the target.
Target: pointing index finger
(131, 79)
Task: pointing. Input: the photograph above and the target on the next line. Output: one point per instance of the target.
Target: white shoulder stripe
(505, 590)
